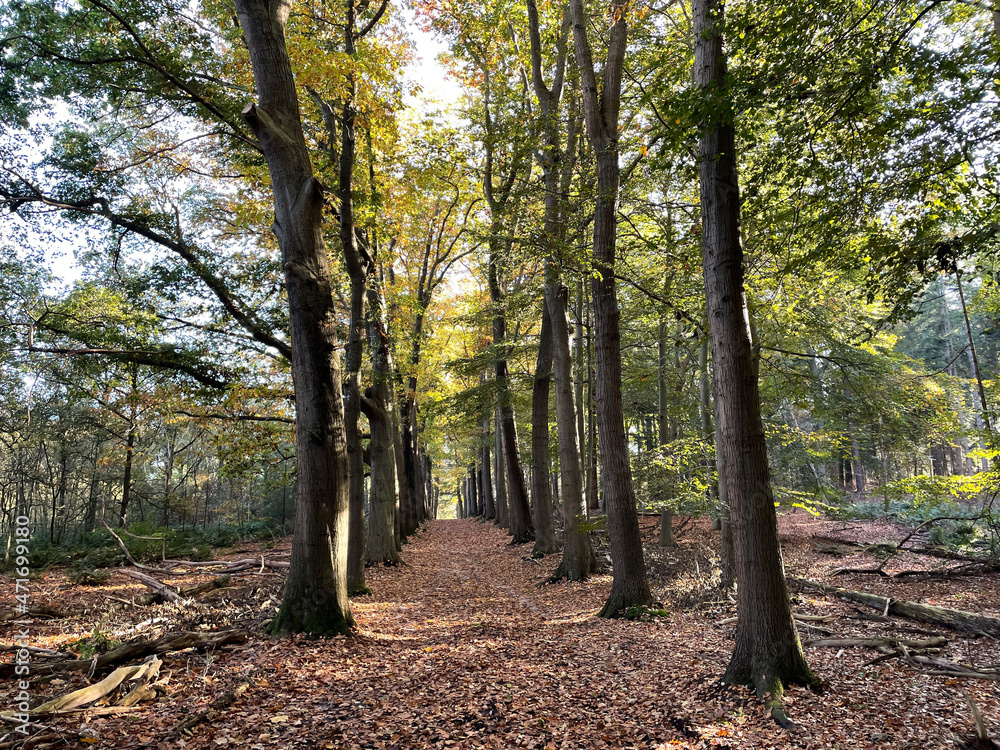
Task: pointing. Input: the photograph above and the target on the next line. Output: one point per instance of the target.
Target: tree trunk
(629, 588)
(127, 478)
(973, 356)
(664, 431)
(315, 597)
(500, 472)
(578, 560)
(545, 535)
(355, 461)
(768, 654)
(381, 537)
(489, 502)
(594, 500)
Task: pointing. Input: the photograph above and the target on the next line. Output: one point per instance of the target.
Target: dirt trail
(461, 647)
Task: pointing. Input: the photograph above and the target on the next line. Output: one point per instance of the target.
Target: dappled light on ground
(465, 646)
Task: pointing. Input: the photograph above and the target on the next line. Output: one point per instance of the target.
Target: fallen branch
(876, 643)
(188, 592)
(221, 703)
(4, 649)
(137, 650)
(163, 591)
(965, 622)
(92, 693)
(41, 612)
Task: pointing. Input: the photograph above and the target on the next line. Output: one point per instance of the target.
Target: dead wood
(5, 649)
(41, 612)
(221, 703)
(879, 643)
(138, 649)
(163, 591)
(951, 668)
(955, 619)
(187, 592)
(84, 696)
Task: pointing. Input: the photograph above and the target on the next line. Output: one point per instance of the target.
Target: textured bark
(402, 489)
(500, 472)
(664, 431)
(541, 498)
(578, 560)
(629, 587)
(127, 477)
(768, 654)
(315, 597)
(381, 533)
(489, 503)
(352, 414)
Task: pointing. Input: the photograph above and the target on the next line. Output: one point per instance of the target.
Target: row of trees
(262, 222)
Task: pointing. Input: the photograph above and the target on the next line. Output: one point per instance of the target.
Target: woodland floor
(463, 647)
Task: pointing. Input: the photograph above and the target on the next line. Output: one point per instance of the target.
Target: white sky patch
(437, 89)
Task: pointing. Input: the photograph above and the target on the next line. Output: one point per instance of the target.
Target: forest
(643, 396)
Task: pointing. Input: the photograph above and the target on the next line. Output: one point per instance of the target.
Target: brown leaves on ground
(463, 647)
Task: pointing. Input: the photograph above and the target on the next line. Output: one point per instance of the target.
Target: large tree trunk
(545, 535)
(767, 654)
(315, 597)
(521, 530)
(629, 587)
(594, 500)
(358, 271)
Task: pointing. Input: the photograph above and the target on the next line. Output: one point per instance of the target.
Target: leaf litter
(465, 646)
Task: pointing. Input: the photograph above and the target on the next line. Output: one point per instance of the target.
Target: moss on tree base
(320, 622)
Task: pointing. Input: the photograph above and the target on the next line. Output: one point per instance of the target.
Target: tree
(315, 598)
(767, 654)
(601, 106)
(557, 164)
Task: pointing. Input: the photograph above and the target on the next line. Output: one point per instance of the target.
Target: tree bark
(664, 431)
(768, 654)
(489, 502)
(629, 588)
(557, 164)
(545, 535)
(127, 477)
(500, 472)
(381, 535)
(315, 597)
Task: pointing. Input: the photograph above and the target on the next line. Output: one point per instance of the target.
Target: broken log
(163, 591)
(189, 592)
(137, 650)
(41, 612)
(84, 696)
(955, 619)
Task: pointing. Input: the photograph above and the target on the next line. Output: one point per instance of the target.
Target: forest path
(461, 647)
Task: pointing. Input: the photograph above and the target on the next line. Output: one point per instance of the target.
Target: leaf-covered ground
(463, 646)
